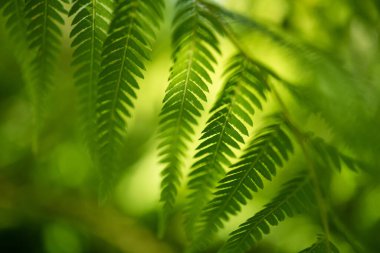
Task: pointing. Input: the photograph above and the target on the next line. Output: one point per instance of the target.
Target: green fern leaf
(129, 42)
(264, 155)
(295, 197)
(226, 129)
(321, 246)
(194, 43)
(16, 24)
(90, 26)
(45, 17)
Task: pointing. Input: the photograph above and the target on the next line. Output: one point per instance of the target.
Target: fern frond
(226, 129)
(332, 157)
(45, 17)
(194, 43)
(321, 246)
(90, 26)
(263, 156)
(14, 12)
(128, 44)
(295, 197)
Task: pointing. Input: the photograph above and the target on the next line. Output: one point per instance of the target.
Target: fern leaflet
(226, 129)
(130, 38)
(90, 26)
(264, 155)
(321, 246)
(15, 16)
(194, 42)
(295, 197)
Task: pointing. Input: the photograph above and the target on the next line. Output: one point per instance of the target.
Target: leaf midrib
(231, 105)
(121, 71)
(91, 88)
(190, 52)
(218, 146)
(42, 49)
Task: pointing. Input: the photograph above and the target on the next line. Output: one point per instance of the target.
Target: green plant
(256, 125)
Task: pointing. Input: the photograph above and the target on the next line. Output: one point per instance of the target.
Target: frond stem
(302, 141)
(120, 77)
(91, 89)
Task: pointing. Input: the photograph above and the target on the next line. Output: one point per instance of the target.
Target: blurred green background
(330, 52)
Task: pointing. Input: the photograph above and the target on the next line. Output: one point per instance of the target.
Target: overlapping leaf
(226, 129)
(90, 26)
(194, 43)
(332, 157)
(264, 155)
(127, 46)
(45, 18)
(296, 196)
(321, 246)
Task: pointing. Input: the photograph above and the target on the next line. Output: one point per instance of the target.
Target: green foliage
(226, 129)
(295, 197)
(111, 42)
(260, 160)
